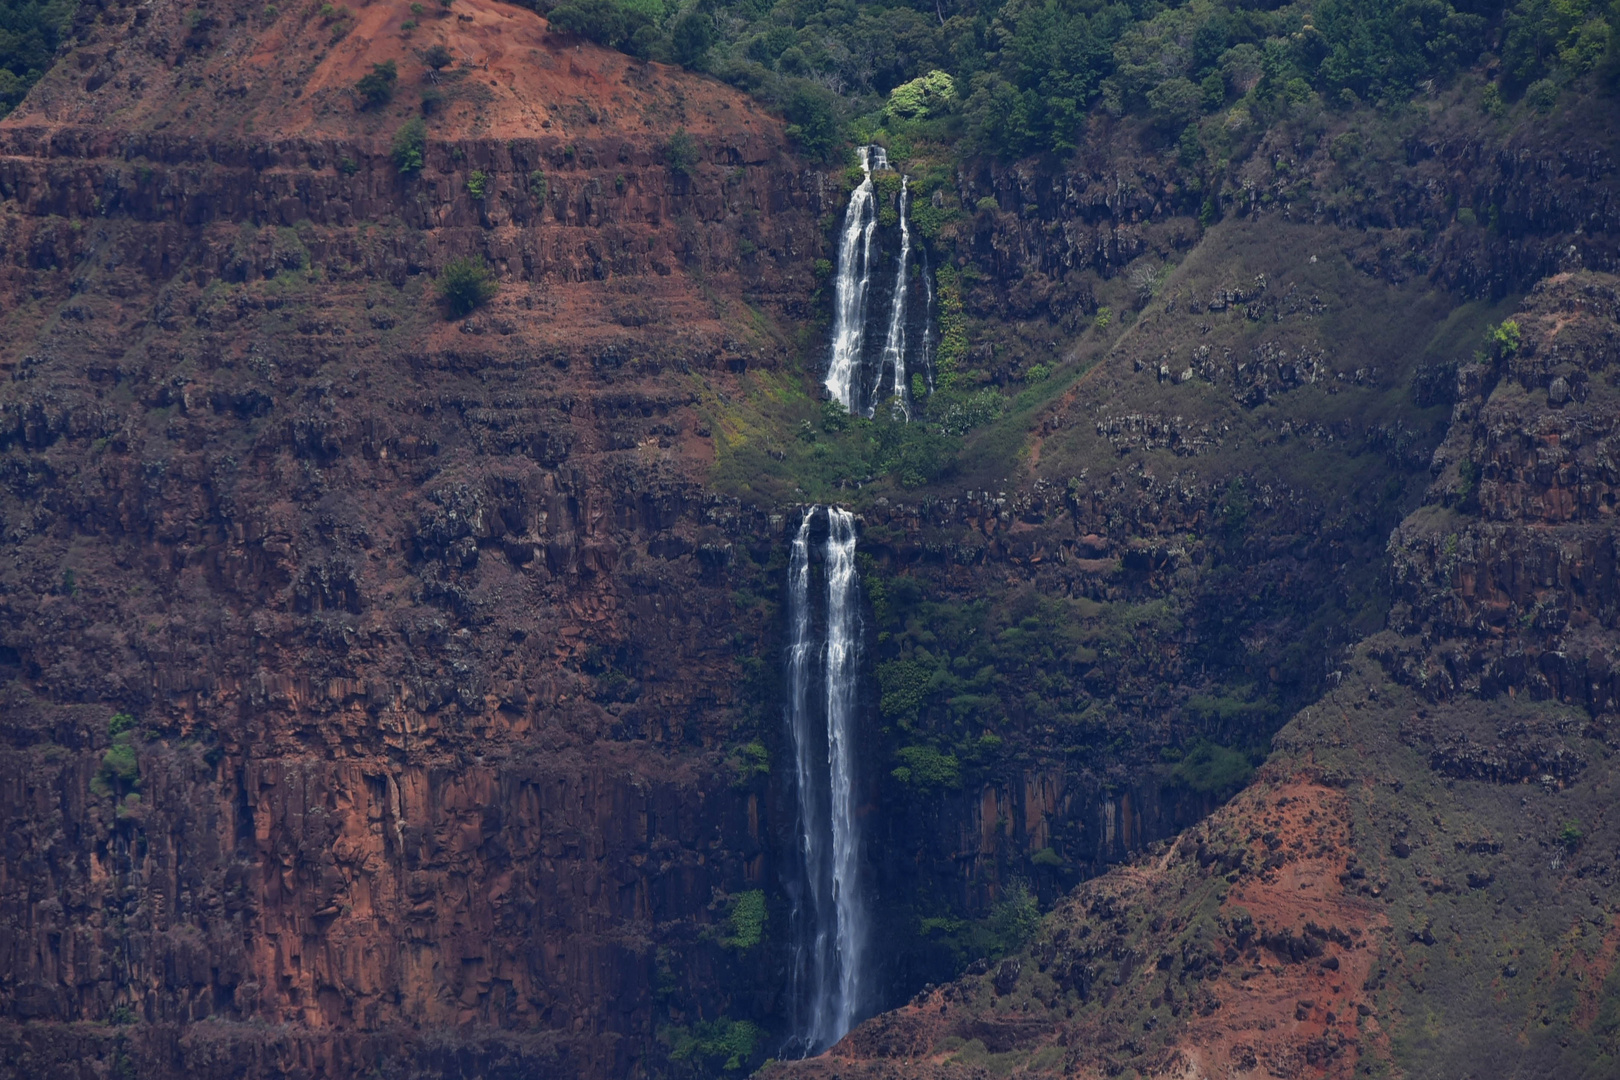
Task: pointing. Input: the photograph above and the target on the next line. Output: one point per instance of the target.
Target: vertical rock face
(423, 625)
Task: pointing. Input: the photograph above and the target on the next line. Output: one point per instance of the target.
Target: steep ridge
(1420, 882)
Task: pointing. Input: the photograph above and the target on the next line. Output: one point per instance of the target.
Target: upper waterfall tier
(870, 363)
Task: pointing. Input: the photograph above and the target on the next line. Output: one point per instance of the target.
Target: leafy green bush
(376, 88)
(409, 147)
(478, 184)
(1213, 769)
(1014, 919)
(724, 1044)
(119, 772)
(915, 100)
(681, 152)
(747, 921)
(466, 285)
(539, 189)
(1504, 339)
(1571, 834)
(925, 768)
(438, 57)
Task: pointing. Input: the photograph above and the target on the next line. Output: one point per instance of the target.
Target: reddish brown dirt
(293, 77)
(1286, 1002)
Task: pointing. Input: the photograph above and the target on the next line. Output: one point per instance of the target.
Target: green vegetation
(747, 921)
(478, 184)
(681, 152)
(925, 767)
(750, 760)
(466, 285)
(539, 189)
(1212, 769)
(1571, 834)
(30, 31)
(1009, 925)
(119, 773)
(409, 147)
(376, 88)
(1014, 78)
(1503, 339)
(725, 1045)
(437, 57)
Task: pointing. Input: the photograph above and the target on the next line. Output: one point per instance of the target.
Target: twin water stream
(829, 974)
(865, 366)
(828, 921)
(828, 985)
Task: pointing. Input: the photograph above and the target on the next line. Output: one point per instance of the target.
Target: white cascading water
(849, 288)
(828, 922)
(925, 349)
(843, 625)
(894, 344)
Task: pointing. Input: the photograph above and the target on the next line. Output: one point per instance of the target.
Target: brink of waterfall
(873, 350)
(828, 921)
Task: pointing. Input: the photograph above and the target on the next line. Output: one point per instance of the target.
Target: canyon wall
(390, 691)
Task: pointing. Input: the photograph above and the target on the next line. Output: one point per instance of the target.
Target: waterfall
(843, 624)
(849, 288)
(894, 346)
(827, 922)
(855, 371)
(925, 348)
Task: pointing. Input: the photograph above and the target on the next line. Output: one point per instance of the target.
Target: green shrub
(539, 189)
(1048, 858)
(681, 152)
(478, 184)
(1213, 769)
(723, 1044)
(348, 166)
(376, 89)
(750, 760)
(1571, 834)
(438, 57)
(1504, 339)
(466, 285)
(922, 96)
(925, 768)
(1014, 919)
(1541, 95)
(747, 920)
(409, 147)
(119, 772)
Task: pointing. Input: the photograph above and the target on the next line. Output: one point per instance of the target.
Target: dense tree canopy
(1028, 71)
(30, 31)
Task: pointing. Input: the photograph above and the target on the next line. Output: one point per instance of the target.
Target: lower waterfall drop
(828, 918)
